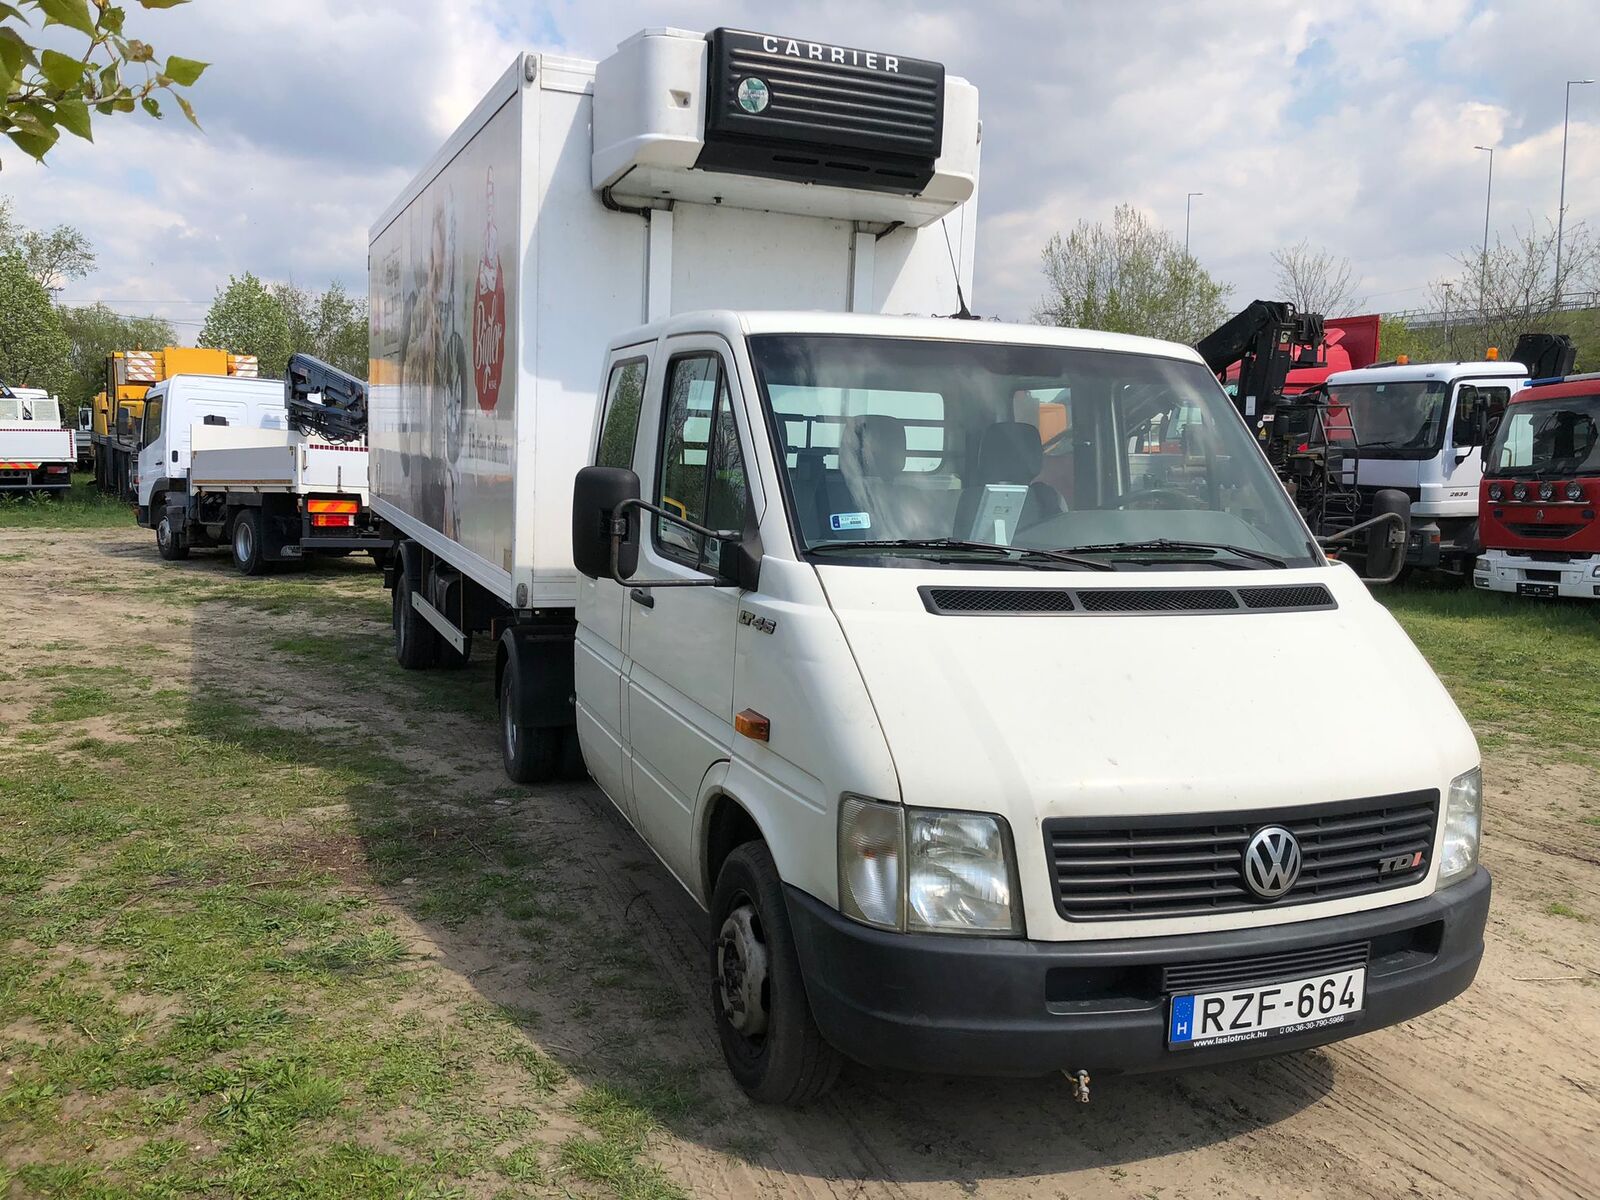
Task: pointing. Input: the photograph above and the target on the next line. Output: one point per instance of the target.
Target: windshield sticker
(841, 521)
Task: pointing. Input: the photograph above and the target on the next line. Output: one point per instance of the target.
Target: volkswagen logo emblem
(1271, 862)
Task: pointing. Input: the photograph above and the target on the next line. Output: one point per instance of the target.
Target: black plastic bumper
(994, 1006)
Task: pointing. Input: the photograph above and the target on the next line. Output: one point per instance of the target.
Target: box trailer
(683, 172)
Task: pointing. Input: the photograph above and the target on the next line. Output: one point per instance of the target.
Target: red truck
(1540, 493)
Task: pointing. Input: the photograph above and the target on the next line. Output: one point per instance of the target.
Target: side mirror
(597, 493)
(1386, 539)
(739, 563)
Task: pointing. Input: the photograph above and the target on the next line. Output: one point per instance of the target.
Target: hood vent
(1037, 602)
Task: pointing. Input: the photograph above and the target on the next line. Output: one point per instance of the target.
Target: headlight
(926, 870)
(1520, 492)
(1481, 565)
(871, 846)
(1496, 492)
(1463, 824)
(1574, 490)
(1547, 490)
(958, 874)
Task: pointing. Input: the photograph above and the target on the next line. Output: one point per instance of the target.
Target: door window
(701, 476)
(152, 420)
(624, 393)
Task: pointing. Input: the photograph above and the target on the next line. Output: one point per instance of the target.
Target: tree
(1131, 278)
(1511, 290)
(1425, 344)
(43, 90)
(94, 331)
(1316, 280)
(57, 256)
(331, 325)
(33, 348)
(246, 318)
(54, 257)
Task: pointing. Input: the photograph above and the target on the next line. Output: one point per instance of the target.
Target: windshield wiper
(1162, 545)
(1020, 553)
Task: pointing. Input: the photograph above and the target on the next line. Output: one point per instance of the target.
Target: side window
(152, 420)
(624, 394)
(1469, 413)
(701, 474)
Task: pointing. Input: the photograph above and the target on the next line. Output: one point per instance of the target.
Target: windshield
(1549, 437)
(1394, 420)
(1013, 453)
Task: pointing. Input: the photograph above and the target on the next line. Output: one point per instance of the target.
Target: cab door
(599, 658)
(679, 693)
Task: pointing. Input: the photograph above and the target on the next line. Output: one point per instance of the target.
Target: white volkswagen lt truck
(935, 669)
(946, 697)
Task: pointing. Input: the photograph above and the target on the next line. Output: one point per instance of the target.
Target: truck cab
(37, 451)
(941, 691)
(1420, 428)
(1540, 493)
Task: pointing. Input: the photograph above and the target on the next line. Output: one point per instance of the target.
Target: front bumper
(995, 1006)
(1502, 571)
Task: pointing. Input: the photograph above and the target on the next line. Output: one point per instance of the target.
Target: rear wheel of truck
(416, 644)
(758, 997)
(530, 754)
(246, 541)
(170, 543)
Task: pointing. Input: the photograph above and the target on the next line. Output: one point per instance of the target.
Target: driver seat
(1009, 452)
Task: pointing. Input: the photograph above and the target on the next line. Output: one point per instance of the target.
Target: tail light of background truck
(333, 513)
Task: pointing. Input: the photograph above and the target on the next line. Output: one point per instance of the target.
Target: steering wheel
(1157, 498)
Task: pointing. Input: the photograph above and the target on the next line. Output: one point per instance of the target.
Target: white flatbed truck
(948, 718)
(221, 465)
(37, 451)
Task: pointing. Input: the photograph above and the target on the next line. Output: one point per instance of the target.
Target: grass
(1517, 667)
(206, 987)
(82, 507)
(1557, 909)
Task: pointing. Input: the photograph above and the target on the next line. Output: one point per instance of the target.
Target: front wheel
(170, 544)
(758, 997)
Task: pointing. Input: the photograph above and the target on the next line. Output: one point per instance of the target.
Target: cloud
(1351, 124)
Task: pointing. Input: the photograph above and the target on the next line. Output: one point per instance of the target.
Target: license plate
(1538, 589)
(1244, 1014)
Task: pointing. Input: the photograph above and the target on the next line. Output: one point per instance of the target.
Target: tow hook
(1080, 1085)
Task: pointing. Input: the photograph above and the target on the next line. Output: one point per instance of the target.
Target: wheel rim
(164, 534)
(242, 541)
(508, 719)
(742, 972)
(401, 599)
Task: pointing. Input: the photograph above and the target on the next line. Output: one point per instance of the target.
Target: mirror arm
(619, 533)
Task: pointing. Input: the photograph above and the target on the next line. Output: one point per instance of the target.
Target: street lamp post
(1483, 267)
(1561, 206)
(1187, 201)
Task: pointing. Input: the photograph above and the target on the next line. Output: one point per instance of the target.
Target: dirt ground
(1496, 1094)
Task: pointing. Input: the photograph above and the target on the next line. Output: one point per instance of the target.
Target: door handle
(640, 596)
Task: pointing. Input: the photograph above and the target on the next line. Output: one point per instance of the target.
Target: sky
(1350, 123)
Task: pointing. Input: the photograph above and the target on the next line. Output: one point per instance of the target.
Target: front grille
(1186, 865)
(1123, 600)
(1014, 601)
(1543, 531)
(1312, 595)
(1024, 602)
(1263, 968)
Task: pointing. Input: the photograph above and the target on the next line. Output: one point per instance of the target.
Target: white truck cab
(37, 451)
(948, 709)
(1421, 428)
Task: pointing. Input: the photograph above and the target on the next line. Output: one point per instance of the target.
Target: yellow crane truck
(119, 408)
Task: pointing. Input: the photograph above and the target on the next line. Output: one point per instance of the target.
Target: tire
(170, 543)
(416, 644)
(758, 996)
(572, 765)
(246, 542)
(530, 755)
